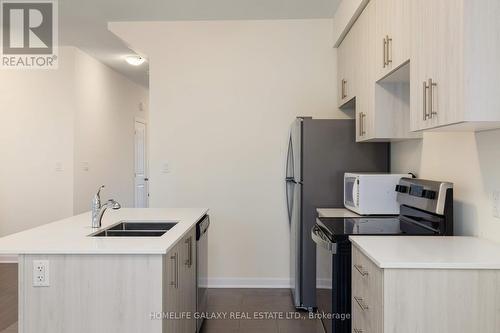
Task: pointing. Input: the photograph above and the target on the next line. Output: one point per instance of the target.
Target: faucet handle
(96, 201)
(98, 194)
(99, 190)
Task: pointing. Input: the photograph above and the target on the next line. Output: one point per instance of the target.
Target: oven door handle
(319, 237)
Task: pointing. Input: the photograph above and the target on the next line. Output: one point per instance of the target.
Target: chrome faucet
(98, 209)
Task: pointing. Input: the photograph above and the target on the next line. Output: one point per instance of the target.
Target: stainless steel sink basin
(145, 225)
(136, 229)
(129, 233)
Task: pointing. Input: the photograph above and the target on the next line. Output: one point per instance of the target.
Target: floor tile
(255, 302)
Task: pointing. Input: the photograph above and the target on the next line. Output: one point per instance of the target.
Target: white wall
(36, 133)
(106, 106)
(50, 119)
(223, 95)
(468, 160)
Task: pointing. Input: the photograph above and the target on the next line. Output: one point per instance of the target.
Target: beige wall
(471, 161)
(223, 95)
(53, 119)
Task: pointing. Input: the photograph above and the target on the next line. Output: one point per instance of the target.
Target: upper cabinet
(455, 64)
(392, 35)
(381, 108)
(407, 66)
(347, 59)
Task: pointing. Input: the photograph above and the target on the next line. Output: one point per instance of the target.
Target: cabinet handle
(384, 49)
(361, 303)
(361, 270)
(363, 118)
(357, 330)
(344, 90)
(424, 107)
(189, 260)
(361, 130)
(175, 269)
(389, 45)
(431, 85)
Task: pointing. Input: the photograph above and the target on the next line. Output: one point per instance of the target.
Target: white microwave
(371, 193)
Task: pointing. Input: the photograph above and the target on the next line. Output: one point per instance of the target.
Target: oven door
(325, 250)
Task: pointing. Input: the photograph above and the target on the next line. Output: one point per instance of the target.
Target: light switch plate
(41, 273)
(165, 168)
(496, 203)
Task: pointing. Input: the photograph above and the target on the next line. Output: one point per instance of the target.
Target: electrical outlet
(496, 203)
(41, 273)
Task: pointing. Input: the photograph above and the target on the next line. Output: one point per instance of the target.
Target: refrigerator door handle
(289, 200)
(290, 172)
(290, 179)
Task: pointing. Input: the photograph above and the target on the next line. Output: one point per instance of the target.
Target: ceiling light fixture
(135, 60)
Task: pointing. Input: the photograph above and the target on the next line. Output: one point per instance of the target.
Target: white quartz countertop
(429, 252)
(70, 236)
(335, 212)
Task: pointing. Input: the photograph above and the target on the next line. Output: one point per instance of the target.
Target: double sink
(136, 229)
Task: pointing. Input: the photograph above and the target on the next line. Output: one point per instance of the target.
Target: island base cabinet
(179, 297)
(423, 300)
(101, 293)
(92, 293)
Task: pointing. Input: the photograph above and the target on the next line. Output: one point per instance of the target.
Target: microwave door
(350, 183)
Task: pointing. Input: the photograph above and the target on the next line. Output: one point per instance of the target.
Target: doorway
(141, 189)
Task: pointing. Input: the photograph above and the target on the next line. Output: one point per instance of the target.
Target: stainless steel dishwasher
(201, 268)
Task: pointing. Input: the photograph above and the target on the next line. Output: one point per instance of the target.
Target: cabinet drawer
(367, 294)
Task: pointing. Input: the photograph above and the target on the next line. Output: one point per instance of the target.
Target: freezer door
(296, 245)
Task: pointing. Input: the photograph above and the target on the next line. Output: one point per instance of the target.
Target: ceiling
(84, 23)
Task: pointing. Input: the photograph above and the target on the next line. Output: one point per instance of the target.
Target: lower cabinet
(180, 286)
(367, 295)
(420, 300)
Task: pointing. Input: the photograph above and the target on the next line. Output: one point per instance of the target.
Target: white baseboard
(249, 283)
(8, 259)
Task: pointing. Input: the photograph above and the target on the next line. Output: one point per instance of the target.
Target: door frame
(146, 153)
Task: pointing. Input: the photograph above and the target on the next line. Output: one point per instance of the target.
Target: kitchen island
(70, 281)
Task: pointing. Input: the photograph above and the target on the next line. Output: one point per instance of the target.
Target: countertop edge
(360, 248)
(424, 265)
(79, 251)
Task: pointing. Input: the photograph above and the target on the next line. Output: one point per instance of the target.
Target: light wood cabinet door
(171, 294)
(180, 285)
(436, 67)
(364, 31)
(347, 62)
(392, 35)
(367, 294)
(188, 279)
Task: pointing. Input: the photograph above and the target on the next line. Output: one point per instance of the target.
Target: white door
(140, 175)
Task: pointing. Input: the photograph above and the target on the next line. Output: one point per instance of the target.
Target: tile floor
(8, 297)
(256, 300)
(239, 302)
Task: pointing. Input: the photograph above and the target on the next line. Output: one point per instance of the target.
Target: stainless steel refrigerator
(320, 151)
